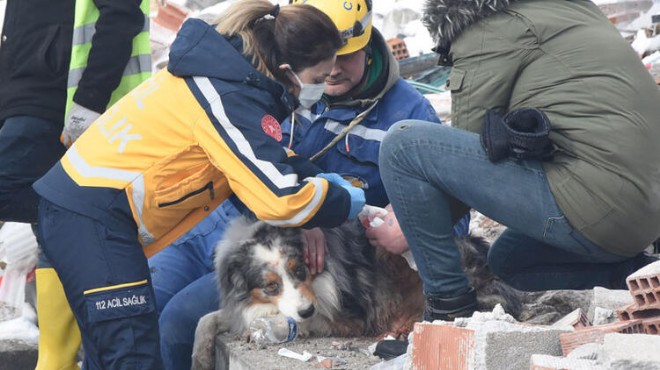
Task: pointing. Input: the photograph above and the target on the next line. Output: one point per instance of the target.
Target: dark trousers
(107, 283)
(29, 147)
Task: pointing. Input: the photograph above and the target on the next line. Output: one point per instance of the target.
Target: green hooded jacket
(565, 58)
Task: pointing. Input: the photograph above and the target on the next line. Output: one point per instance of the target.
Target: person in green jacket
(555, 130)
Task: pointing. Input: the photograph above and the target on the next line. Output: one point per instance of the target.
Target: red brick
(595, 334)
(540, 367)
(398, 48)
(644, 286)
(652, 325)
(171, 16)
(634, 312)
(441, 347)
(577, 319)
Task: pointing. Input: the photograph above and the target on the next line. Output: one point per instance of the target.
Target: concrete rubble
(563, 329)
(489, 340)
(596, 329)
(566, 338)
(494, 340)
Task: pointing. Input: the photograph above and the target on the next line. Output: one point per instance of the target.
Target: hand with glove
(388, 235)
(77, 121)
(523, 133)
(357, 194)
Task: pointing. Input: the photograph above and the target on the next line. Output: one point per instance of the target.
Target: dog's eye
(300, 272)
(272, 288)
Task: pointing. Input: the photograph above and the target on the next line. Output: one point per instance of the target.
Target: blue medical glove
(333, 178)
(357, 200)
(357, 194)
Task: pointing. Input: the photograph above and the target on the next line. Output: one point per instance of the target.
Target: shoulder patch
(271, 127)
(356, 181)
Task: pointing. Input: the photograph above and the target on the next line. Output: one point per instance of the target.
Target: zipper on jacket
(208, 186)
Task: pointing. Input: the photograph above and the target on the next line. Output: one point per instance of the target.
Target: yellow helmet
(352, 18)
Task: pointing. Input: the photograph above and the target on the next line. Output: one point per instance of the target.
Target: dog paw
(203, 357)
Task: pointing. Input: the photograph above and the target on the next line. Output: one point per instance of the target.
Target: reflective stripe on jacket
(175, 147)
(136, 69)
(355, 157)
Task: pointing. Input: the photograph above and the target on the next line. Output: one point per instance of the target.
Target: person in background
(364, 95)
(169, 152)
(38, 67)
(572, 174)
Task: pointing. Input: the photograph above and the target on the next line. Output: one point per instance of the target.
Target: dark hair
(300, 35)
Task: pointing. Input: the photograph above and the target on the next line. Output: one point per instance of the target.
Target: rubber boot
(59, 336)
(447, 309)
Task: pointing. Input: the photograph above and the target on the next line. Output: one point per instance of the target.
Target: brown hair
(300, 35)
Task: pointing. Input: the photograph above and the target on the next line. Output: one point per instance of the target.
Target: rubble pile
(575, 342)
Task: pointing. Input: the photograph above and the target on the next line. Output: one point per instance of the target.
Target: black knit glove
(521, 134)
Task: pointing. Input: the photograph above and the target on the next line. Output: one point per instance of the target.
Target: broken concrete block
(546, 362)
(587, 351)
(604, 316)
(595, 334)
(630, 351)
(608, 299)
(16, 354)
(502, 345)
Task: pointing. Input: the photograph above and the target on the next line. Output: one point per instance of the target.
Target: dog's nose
(307, 312)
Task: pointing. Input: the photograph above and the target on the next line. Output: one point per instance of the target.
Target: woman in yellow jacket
(171, 151)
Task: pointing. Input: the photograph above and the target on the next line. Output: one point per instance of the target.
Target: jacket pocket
(359, 165)
(455, 81)
(50, 54)
(455, 85)
(363, 151)
(194, 191)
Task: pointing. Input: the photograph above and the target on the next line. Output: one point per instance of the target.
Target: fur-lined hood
(446, 19)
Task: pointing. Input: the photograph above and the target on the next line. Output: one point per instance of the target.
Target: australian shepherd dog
(363, 291)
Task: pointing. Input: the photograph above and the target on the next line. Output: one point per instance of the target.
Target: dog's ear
(232, 276)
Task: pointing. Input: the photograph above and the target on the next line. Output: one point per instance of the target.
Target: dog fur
(363, 291)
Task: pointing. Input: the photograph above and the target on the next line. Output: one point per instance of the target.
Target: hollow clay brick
(441, 347)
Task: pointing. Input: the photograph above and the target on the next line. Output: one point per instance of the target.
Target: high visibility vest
(138, 68)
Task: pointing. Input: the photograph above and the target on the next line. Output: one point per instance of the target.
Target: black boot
(447, 309)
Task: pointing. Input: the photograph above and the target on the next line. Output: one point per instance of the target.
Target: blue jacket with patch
(355, 156)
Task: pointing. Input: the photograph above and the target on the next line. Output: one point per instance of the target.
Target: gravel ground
(345, 353)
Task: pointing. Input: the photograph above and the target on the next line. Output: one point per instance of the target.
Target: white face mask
(309, 93)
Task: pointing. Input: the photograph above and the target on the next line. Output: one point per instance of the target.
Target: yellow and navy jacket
(174, 148)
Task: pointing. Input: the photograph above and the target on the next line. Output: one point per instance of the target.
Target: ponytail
(299, 35)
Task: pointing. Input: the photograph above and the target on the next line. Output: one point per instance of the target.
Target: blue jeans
(427, 167)
(185, 284)
(29, 147)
